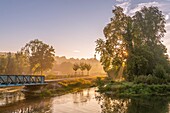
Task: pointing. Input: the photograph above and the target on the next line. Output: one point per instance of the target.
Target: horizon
(69, 26)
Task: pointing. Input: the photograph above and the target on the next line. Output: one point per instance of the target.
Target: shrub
(100, 82)
(150, 79)
(167, 77)
(140, 79)
(129, 78)
(159, 71)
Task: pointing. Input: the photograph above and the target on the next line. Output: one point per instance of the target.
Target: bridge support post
(32, 91)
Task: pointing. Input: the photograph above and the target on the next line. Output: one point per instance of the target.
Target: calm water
(87, 101)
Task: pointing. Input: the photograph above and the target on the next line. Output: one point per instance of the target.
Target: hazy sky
(70, 26)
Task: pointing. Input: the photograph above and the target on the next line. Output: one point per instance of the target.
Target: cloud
(76, 51)
(140, 5)
(119, 0)
(125, 6)
(166, 17)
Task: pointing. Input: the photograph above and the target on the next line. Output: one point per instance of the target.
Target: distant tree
(11, 65)
(3, 64)
(88, 68)
(22, 63)
(82, 67)
(75, 68)
(65, 67)
(41, 55)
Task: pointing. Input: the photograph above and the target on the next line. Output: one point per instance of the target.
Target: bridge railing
(21, 79)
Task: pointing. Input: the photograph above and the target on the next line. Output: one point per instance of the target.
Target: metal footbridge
(21, 80)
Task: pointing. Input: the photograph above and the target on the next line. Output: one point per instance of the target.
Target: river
(86, 101)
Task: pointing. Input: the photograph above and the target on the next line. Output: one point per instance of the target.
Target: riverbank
(130, 89)
(64, 86)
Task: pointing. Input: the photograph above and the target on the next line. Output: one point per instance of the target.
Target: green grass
(131, 89)
(67, 86)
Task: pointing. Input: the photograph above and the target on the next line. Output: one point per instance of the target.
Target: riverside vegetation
(133, 54)
(68, 86)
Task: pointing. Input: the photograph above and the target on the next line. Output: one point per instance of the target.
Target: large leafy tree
(113, 50)
(134, 42)
(148, 50)
(41, 55)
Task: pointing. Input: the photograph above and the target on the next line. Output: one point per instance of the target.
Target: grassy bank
(67, 86)
(131, 89)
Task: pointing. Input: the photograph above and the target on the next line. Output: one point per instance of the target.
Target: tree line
(82, 67)
(34, 58)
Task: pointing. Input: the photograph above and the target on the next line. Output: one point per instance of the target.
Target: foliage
(88, 68)
(41, 55)
(113, 51)
(136, 42)
(75, 68)
(22, 63)
(150, 79)
(11, 64)
(82, 67)
(130, 89)
(3, 63)
(14, 64)
(60, 66)
(159, 71)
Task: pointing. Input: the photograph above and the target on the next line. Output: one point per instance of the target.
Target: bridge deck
(21, 80)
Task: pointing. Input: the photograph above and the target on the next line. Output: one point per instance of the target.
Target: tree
(41, 55)
(75, 68)
(149, 29)
(22, 63)
(134, 42)
(3, 64)
(82, 67)
(11, 65)
(88, 68)
(113, 50)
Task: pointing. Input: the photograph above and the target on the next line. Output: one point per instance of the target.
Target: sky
(70, 26)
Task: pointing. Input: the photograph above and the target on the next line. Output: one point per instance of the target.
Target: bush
(101, 82)
(140, 79)
(167, 77)
(159, 71)
(150, 79)
(129, 78)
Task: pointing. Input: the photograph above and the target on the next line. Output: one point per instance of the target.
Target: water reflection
(134, 105)
(81, 102)
(8, 98)
(113, 105)
(149, 105)
(86, 101)
(30, 106)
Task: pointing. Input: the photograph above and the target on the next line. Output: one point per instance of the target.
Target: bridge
(21, 80)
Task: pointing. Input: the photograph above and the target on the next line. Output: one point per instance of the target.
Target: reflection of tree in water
(82, 97)
(148, 105)
(133, 105)
(109, 105)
